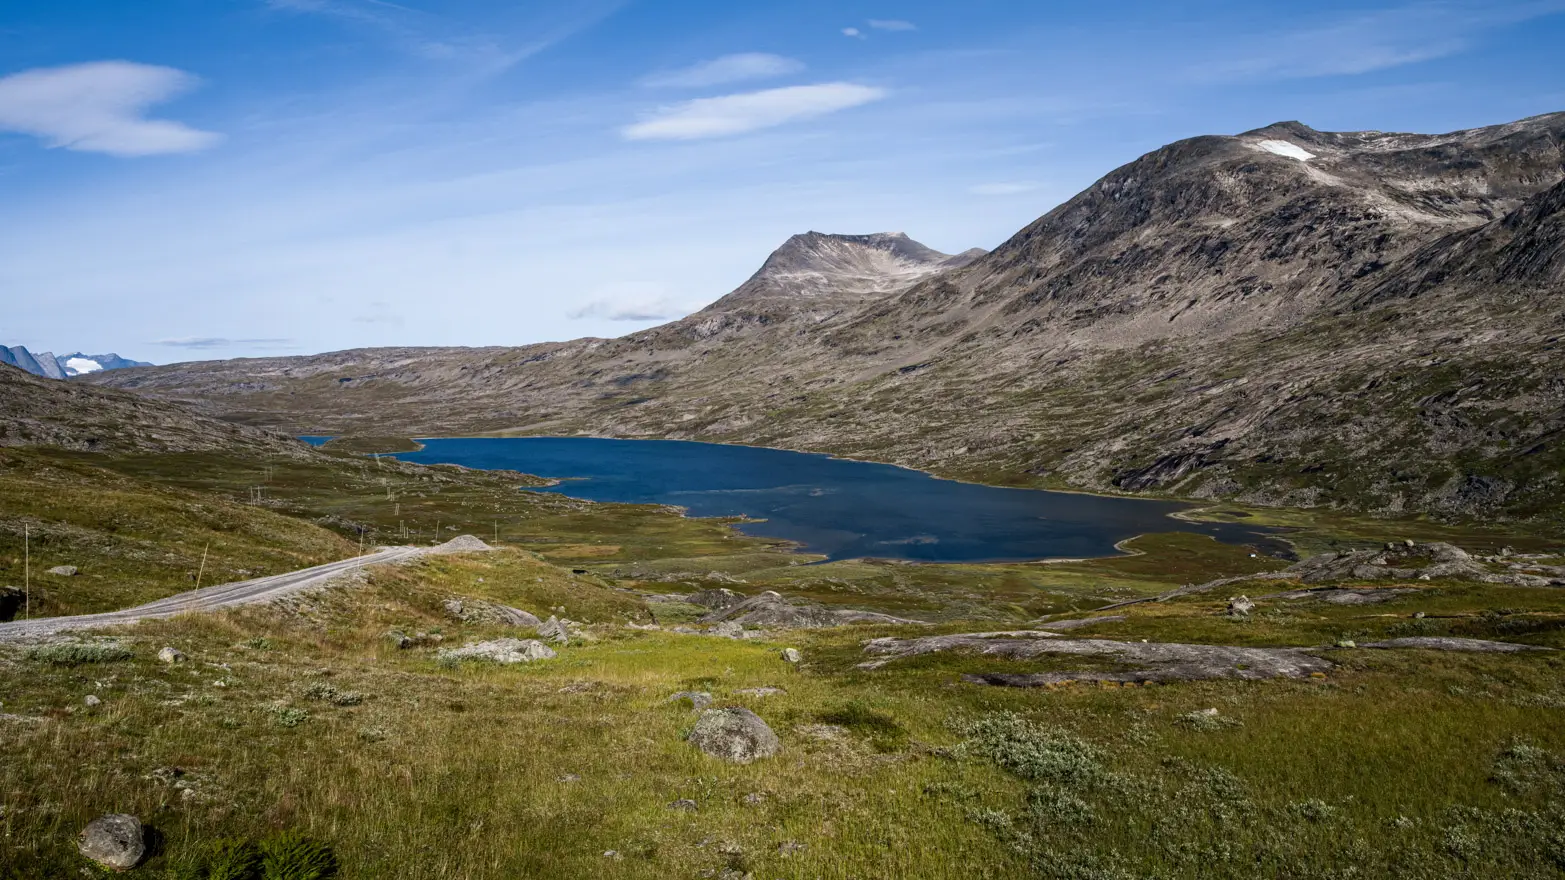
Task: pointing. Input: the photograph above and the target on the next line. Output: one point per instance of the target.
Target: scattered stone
(761, 691)
(501, 651)
(1418, 615)
(172, 655)
(698, 699)
(116, 841)
(461, 544)
(734, 734)
(728, 630)
(555, 631)
(684, 805)
(1447, 643)
(568, 777)
(1059, 625)
(65, 571)
(754, 799)
(1339, 596)
(1240, 606)
(792, 655)
(612, 854)
(92, 701)
(479, 611)
(789, 847)
(402, 641)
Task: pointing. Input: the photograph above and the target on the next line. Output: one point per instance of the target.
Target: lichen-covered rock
(698, 699)
(68, 571)
(1240, 606)
(792, 655)
(734, 734)
(722, 597)
(172, 655)
(116, 841)
(501, 651)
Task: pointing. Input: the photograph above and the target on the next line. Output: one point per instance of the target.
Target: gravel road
(207, 598)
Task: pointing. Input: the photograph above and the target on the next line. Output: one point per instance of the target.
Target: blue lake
(841, 509)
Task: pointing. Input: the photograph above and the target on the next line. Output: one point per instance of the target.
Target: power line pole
(27, 572)
(200, 572)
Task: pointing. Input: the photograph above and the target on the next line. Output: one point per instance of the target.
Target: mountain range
(1363, 320)
(49, 366)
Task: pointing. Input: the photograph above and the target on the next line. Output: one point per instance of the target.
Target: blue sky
(190, 179)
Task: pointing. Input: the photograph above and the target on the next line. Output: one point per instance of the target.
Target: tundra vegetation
(303, 737)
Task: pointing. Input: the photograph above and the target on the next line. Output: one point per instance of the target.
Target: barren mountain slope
(1289, 316)
(45, 412)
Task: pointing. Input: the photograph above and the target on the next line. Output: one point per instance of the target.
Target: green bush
(1032, 751)
(292, 856)
(77, 653)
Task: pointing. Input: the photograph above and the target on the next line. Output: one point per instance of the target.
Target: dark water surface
(843, 509)
(836, 508)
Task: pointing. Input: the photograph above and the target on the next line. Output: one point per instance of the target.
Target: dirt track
(207, 598)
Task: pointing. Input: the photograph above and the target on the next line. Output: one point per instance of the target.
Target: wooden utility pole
(202, 570)
(27, 572)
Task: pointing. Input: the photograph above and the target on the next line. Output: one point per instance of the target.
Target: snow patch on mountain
(1285, 148)
(78, 366)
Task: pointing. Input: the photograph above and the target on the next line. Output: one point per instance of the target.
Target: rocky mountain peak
(818, 264)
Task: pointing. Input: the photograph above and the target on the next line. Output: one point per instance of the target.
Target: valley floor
(304, 716)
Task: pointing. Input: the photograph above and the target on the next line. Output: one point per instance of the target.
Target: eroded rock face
(734, 734)
(116, 841)
(501, 651)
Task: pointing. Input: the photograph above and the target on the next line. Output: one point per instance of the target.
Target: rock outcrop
(500, 651)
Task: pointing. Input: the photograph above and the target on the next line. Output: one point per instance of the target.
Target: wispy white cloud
(1008, 188)
(892, 24)
(100, 107)
(737, 114)
(852, 32)
(1367, 42)
(727, 69)
(204, 343)
(633, 302)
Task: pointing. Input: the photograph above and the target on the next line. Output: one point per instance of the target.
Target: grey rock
(734, 734)
(1240, 606)
(721, 597)
(172, 655)
(698, 699)
(65, 571)
(480, 611)
(461, 544)
(792, 655)
(1159, 662)
(92, 701)
(555, 630)
(770, 609)
(1446, 643)
(728, 630)
(501, 651)
(116, 841)
(684, 805)
(761, 691)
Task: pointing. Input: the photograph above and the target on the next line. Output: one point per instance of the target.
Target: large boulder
(172, 655)
(501, 651)
(771, 609)
(116, 841)
(734, 734)
(65, 571)
(480, 611)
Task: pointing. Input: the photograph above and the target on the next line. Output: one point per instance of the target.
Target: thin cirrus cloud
(203, 343)
(100, 107)
(727, 69)
(633, 308)
(751, 111)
